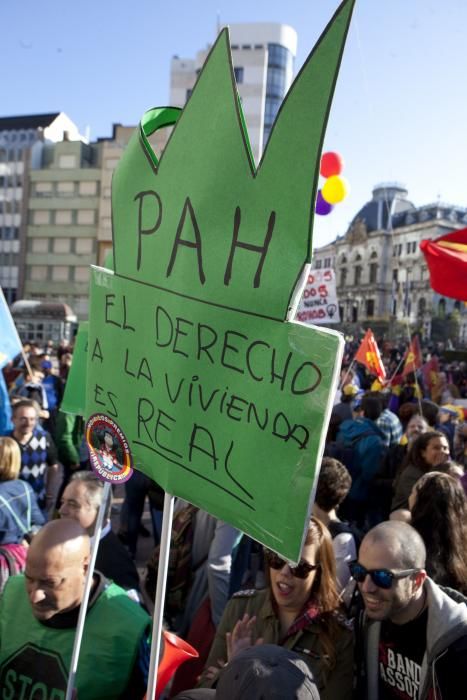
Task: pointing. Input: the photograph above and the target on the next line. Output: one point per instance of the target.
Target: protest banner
(74, 397)
(221, 399)
(319, 298)
(222, 402)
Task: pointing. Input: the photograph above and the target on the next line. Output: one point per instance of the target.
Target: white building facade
(381, 273)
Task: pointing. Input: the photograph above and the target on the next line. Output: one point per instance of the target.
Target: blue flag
(10, 344)
(5, 408)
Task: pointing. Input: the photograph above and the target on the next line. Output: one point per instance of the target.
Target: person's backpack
(12, 562)
(362, 453)
(180, 573)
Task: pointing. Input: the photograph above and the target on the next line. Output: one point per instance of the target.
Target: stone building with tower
(381, 274)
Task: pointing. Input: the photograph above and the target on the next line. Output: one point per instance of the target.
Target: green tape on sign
(223, 402)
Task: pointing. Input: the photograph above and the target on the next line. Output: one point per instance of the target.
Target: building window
(86, 217)
(275, 85)
(38, 273)
(370, 308)
(373, 273)
(41, 217)
(318, 264)
(65, 188)
(60, 273)
(82, 273)
(9, 233)
(84, 246)
(63, 217)
(67, 161)
(43, 189)
(278, 56)
(327, 262)
(39, 245)
(238, 75)
(343, 276)
(354, 314)
(271, 109)
(61, 245)
(87, 188)
(357, 275)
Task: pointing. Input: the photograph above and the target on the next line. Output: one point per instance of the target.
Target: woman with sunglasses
(299, 610)
(427, 453)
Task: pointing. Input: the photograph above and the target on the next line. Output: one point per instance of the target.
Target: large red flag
(368, 355)
(446, 258)
(413, 358)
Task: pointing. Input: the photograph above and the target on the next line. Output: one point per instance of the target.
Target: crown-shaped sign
(204, 221)
(191, 366)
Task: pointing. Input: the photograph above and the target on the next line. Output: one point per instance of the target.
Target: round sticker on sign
(108, 449)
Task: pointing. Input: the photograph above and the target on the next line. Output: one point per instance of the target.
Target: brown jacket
(333, 684)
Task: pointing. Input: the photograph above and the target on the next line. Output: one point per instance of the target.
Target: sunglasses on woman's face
(383, 578)
(302, 569)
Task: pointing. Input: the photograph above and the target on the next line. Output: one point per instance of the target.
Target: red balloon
(331, 164)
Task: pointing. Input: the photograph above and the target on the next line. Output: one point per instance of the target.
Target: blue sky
(400, 107)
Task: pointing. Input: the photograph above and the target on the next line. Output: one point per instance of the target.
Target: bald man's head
(391, 574)
(402, 540)
(56, 567)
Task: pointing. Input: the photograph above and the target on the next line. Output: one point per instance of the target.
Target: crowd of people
(374, 610)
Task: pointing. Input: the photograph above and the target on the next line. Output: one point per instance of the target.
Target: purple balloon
(322, 208)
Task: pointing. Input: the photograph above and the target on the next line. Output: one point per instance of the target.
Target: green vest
(34, 659)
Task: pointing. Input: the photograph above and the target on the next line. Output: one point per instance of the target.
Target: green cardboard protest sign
(222, 400)
(74, 397)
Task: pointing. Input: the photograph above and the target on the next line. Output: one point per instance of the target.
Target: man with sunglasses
(414, 636)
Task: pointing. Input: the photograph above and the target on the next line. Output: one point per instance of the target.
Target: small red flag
(430, 372)
(446, 258)
(368, 355)
(413, 357)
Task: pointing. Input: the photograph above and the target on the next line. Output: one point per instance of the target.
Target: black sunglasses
(302, 569)
(383, 578)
